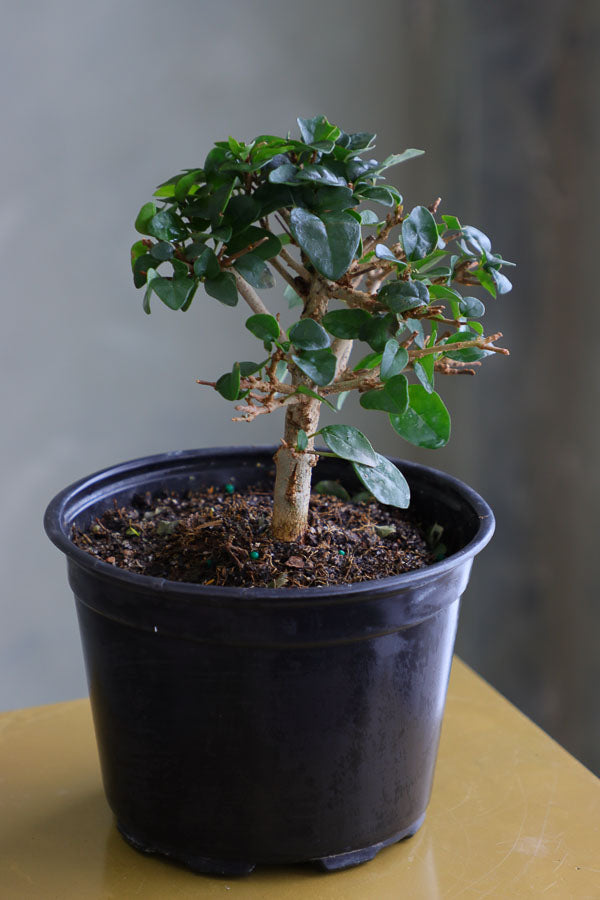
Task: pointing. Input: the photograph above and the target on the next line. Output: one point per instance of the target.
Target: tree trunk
(294, 469)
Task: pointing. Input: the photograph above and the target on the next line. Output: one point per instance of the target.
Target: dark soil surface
(211, 536)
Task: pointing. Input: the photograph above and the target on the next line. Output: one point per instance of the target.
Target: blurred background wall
(102, 101)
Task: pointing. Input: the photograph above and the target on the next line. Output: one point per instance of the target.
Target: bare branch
(294, 264)
(250, 295)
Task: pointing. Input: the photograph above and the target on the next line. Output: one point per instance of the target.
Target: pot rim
(76, 497)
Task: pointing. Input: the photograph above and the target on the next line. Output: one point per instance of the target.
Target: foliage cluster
(318, 212)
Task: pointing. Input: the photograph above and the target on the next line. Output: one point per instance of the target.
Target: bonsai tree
(357, 269)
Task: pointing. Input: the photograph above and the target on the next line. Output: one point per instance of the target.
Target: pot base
(203, 865)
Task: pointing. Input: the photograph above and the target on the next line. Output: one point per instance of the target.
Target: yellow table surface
(512, 815)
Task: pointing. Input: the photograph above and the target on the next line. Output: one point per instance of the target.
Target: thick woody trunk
(294, 469)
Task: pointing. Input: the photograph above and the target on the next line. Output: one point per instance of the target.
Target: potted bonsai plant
(268, 678)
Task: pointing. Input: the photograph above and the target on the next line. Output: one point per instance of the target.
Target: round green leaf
(223, 288)
(166, 226)
(471, 307)
(385, 482)
(392, 398)
(400, 296)
(229, 385)
(206, 263)
(468, 354)
(144, 217)
(426, 422)
(345, 323)
(162, 251)
(333, 489)
(419, 233)
(264, 327)
(393, 361)
(330, 240)
(172, 291)
(255, 271)
(348, 442)
(319, 365)
(309, 335)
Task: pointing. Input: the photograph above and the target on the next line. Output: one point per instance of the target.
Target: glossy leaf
(370, 361)
(172, 291)
(469, 354)
(471, 307)
(255, 271)
(424, 370)
(348, 442)
(346, 323)
(392, 398)
(302, 441)
(378, 330)
(332, 489)
(319, 365)
(223, 288)
(393, 361)
(206, 264)
(385, 482)
(419, 233)
(400, 296)
(379, 195)
(293, 299)
(309, 335)
(263, 326)
(330, 240)
(229, 385)
(144, 217)
(306, 391)
(162, 251)
(166, 226)
(261, 242)
(242, 210)
(426, 422)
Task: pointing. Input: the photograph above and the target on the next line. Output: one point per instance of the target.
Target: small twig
(294, 264)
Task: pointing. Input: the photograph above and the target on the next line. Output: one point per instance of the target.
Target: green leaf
(162, 251)
(255, 271)
(377, 331)
(452, 223)
(206, 263)
(229, 385)
(477, 240)
(211, 206)
(330, 240)
(368, 217)
(503, 285)
(306, 391)
(426, 422)
(251, 368)
(242, 210)
(370, 361)
(166, 226)
(222, 288)
(302, 441)
(185, 183)
(263, 326)
(419, 233)
(397, 158)
(392, 398)
(471, 307)
(348, 442)
(321, 198)
(172, 291)
(138, 249)
(468, 354)
(293, 299)
(144, 217)
(267, 244)
(319, 365)
(382, 195)
(309, 335)
(393, 361)
(318, 131)
(400, 296)
(385, 482)
(424, 370)
(383, 252)
(141, 267)
(333, 489)
(346, 323)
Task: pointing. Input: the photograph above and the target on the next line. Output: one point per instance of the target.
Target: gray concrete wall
(103, 100)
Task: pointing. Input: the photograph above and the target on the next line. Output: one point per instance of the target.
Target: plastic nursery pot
(239, 726)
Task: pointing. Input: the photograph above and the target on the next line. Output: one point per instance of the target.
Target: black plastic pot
(239, 726)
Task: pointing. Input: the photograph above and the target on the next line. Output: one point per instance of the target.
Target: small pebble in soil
(229, 488)
(254, 554)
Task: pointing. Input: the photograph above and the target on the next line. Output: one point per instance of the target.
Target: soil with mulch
(214, 537)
